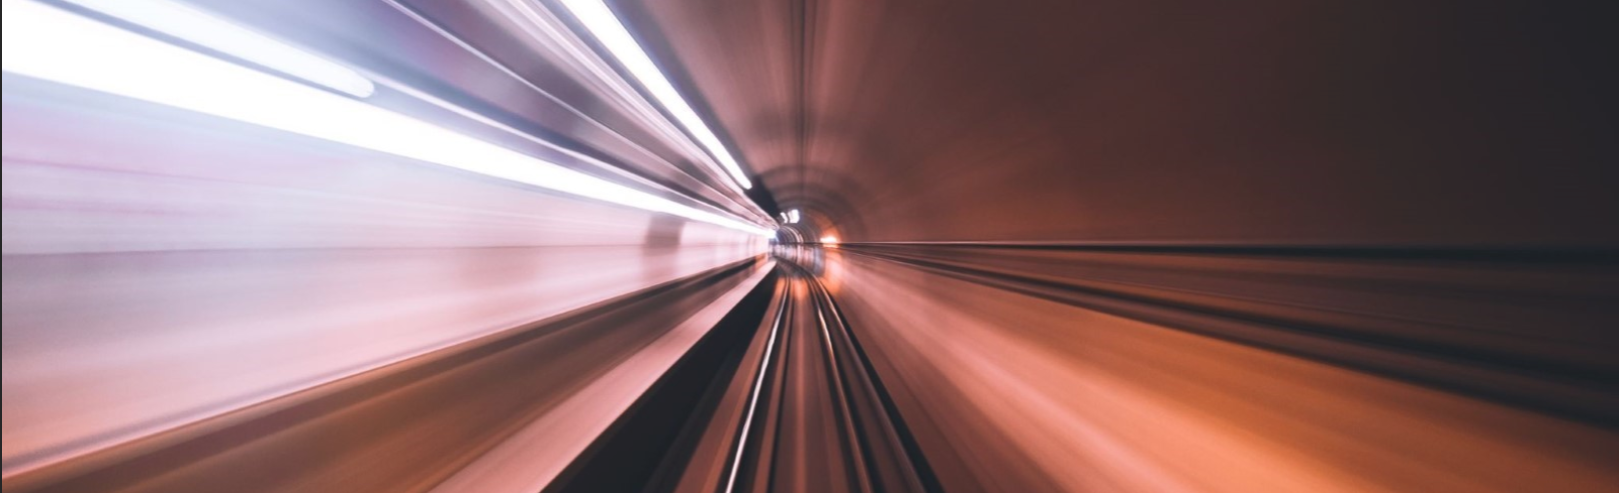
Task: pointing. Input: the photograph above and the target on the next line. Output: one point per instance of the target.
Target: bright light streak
(829, 240)
(48, 43)
(197, 27)
(792, 216)
(602, 24)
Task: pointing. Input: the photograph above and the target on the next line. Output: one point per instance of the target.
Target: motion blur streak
(188, 24)
(510, 246)
(610, 32)
(59, 47)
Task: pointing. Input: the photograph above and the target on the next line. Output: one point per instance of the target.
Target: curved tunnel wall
(1459, 123)
(1264, 246)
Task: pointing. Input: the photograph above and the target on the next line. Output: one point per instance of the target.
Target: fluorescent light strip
(198, 27)
(601, 23)
(48, 43)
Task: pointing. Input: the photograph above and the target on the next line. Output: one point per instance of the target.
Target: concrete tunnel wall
(1460, 123)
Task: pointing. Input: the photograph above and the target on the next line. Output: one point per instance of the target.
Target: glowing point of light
(792, 216)
(48, 43)
(600, 21)
(829, 240)
(201, 28)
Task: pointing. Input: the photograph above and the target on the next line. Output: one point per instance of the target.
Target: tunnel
(818, 246)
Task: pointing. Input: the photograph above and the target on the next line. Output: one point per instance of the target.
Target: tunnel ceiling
(1152, 121)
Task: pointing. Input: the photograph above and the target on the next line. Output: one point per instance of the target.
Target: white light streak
(197, 27)
(607, 29)
(48, 43)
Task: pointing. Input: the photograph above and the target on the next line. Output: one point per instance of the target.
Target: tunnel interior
(810, 246)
